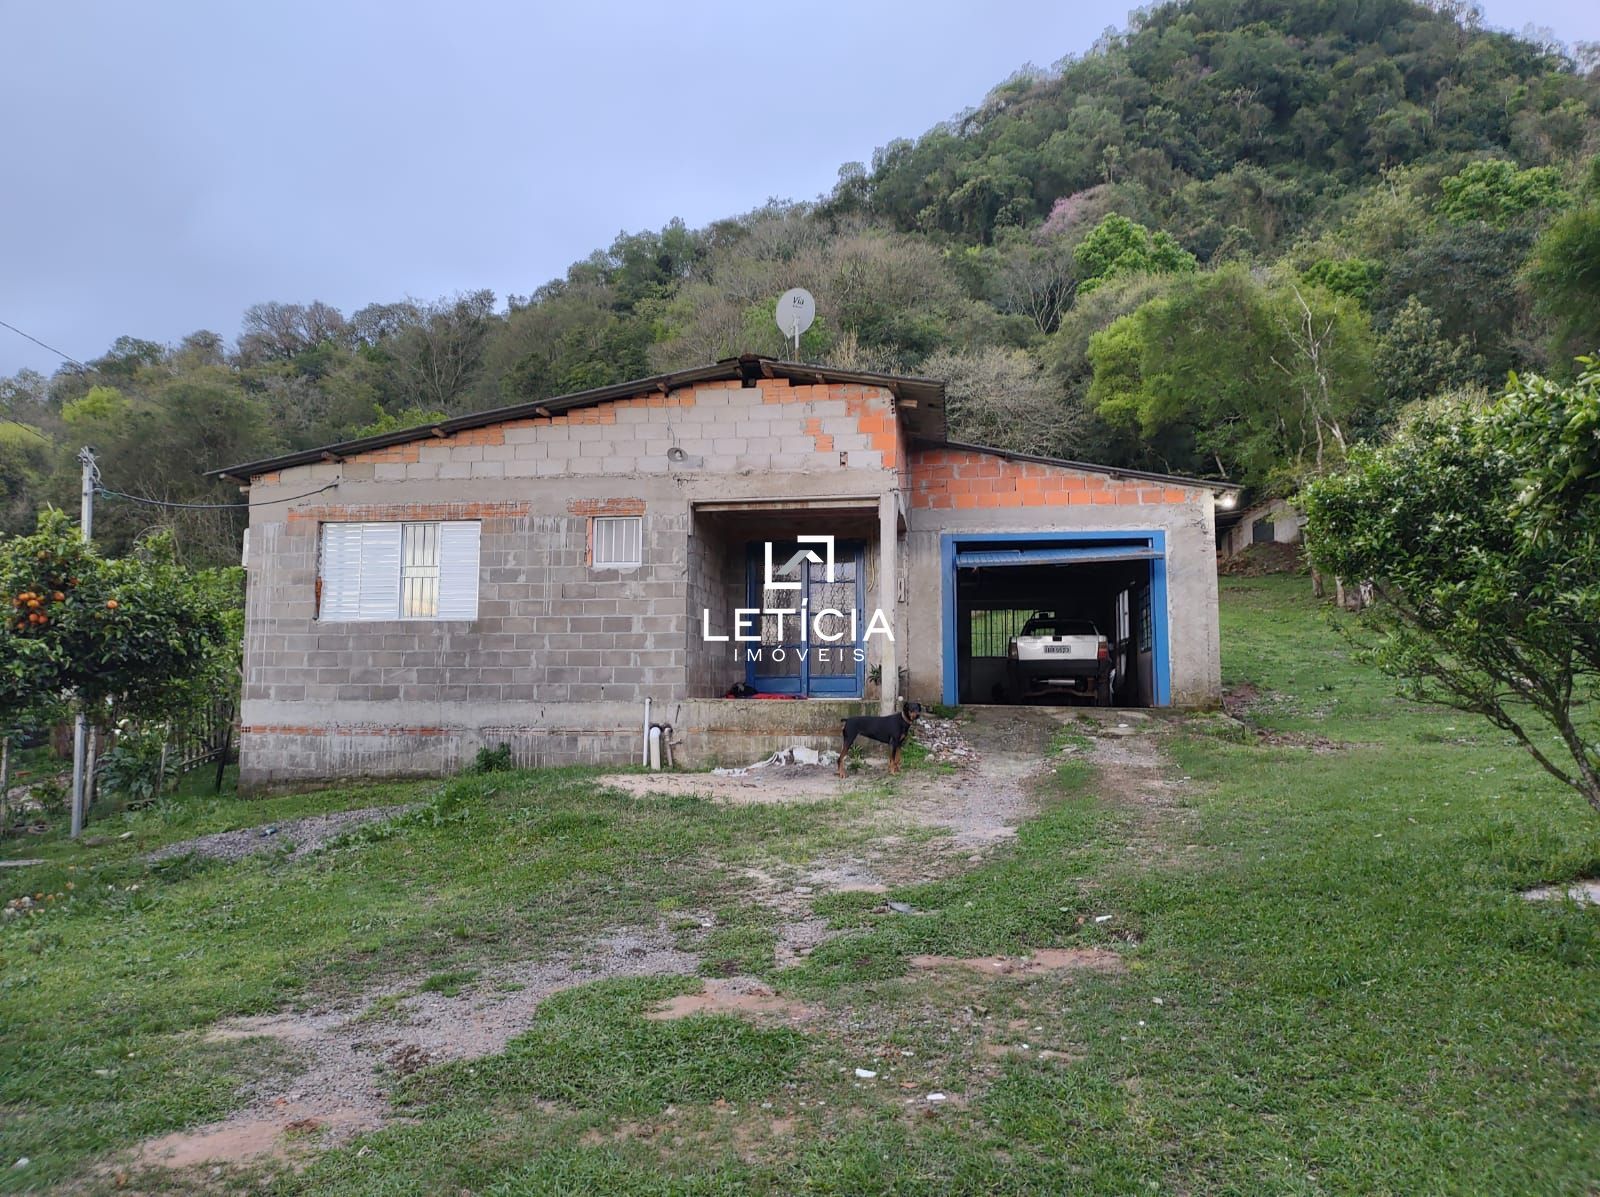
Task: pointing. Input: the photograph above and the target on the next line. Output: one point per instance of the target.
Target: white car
(1062, 657)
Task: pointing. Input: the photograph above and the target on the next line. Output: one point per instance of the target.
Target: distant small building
(1271, 521)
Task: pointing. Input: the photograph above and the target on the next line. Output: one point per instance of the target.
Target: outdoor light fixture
(1227, 499)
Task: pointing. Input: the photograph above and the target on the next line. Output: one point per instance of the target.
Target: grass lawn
(1331, 984)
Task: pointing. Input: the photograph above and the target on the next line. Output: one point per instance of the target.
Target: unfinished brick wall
(953, 479)
(724, 427)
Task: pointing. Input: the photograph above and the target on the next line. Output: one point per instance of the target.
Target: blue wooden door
(791, 661)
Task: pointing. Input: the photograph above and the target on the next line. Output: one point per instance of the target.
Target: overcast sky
(169, 163)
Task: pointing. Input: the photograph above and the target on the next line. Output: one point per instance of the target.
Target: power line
(8, 414)
(117, 494)
(44, 345)
(66, 356)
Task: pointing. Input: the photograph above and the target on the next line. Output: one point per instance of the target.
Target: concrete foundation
(706, 732)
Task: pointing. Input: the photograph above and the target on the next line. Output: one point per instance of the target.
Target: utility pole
(80, 724)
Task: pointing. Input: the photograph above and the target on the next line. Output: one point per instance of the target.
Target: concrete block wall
(960, 491)
(718, 585)
(561, 655)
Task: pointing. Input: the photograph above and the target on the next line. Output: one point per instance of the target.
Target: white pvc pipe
(655, 750)
(644, 740)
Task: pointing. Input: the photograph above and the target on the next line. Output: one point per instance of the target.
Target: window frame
(453, 592)
(595, 522)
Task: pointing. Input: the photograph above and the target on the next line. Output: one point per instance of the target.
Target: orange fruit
(59, 597)
(112, 604)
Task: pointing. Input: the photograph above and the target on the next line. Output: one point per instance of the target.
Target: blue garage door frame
(964, 549)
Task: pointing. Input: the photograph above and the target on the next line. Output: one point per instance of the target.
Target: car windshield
(1059, 627)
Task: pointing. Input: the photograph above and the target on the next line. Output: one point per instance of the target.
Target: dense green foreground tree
(1479, 525)
(136, 637)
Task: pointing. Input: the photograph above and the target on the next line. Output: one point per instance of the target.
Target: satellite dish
(796, 311)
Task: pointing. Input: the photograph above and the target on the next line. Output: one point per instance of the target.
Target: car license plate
(1055, 648)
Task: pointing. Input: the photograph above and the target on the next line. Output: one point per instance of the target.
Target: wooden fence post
(222, 757)
(161, 764)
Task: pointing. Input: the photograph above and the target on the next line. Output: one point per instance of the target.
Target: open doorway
(1011, 597)
(749, 556)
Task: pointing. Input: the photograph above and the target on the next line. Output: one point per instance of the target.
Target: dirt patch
(844, 877)
(983, 804)
(289, 1132)
(734, 995)
(353, 1053)
(1292, 739)
(299, 836)
(944, 741)
(998, 755)
(1132, 775)
(1584, 893)
(1026, 1051)
(777, 783)
(799, 932)
(1241, 698)
(1241, 701)
(1045, 960)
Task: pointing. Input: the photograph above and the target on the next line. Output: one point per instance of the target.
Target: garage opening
(1059, 621)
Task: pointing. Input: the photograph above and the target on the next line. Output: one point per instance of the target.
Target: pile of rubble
(944, 742)
(795, 754)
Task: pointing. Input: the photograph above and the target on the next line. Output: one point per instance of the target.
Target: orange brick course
(405, 454)
(952, 479)
(822, 441)
(606, 506)
(274, 729)
(391, 512)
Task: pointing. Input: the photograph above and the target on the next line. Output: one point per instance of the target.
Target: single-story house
(540, 575)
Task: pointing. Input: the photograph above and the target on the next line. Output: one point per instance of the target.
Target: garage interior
(998, 589)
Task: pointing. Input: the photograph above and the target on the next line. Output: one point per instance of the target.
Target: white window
(399, 571)
(618, 541)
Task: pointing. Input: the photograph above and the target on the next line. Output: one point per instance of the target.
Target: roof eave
(926, 397)
(1212, 484)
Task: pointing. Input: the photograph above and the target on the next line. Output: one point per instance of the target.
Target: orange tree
(1479, 524)
(131, 637)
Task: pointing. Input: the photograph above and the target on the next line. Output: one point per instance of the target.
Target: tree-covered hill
(1232, 239)
(1233, 124)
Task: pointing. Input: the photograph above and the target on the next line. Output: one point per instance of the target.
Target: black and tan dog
(886, 729)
